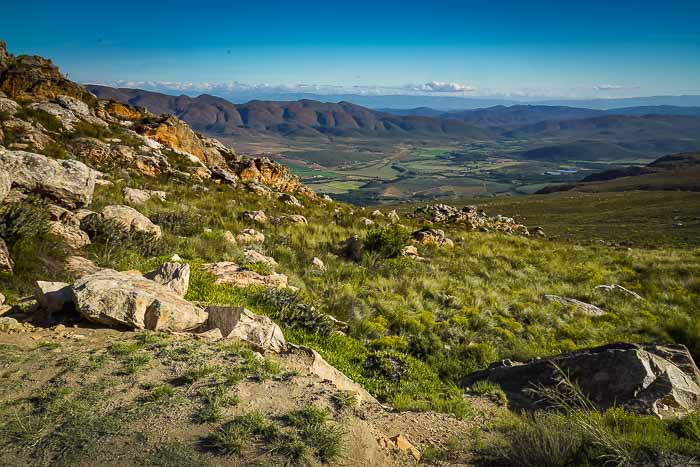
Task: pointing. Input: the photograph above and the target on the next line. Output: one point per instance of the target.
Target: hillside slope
(673, 172)
(166, 301)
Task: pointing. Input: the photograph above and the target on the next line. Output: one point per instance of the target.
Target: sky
(501, 48)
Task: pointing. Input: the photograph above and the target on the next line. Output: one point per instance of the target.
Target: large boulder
(117, 299)
(662, 380)
(68, 182)
(131, 220)
(227, 272)
(26, 135)
(175, 276)
(240, 323)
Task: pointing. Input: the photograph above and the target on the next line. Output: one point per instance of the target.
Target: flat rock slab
(587, 308)
(116, 299)
(227, 272)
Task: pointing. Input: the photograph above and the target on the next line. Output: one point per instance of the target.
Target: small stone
(230, 238)
(250, 236)
(317, 263)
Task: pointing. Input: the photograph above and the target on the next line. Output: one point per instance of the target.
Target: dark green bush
(184, 223)
(387, 241)
(113, 239)
(385, 364)
(54, 150)
(293, 311)
(24, 220)
(85, 129)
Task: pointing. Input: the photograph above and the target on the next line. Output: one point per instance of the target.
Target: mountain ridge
(304, 118)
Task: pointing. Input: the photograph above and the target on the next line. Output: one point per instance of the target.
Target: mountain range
(314, 119)
(304, 118)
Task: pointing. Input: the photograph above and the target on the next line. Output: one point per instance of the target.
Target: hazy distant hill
(614, 127)
(674, 172)
(501, 115)
(581, 150)
(305, 118)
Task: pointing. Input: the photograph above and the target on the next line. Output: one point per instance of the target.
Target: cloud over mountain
(442, 86)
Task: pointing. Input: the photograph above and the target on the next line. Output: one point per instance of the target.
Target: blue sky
(497, 48)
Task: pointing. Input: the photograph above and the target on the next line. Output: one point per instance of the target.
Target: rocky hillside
(304, 118)
(163, 293)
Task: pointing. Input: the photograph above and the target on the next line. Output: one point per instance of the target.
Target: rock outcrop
(123, 300)
(271, 174)
(662, 380)
(324, 370)
(67, 182)
(29, 78)
(242, 324)
(178, 135)
(471, 217)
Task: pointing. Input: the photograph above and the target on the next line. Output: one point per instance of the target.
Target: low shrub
(387, 241)
(24, 221)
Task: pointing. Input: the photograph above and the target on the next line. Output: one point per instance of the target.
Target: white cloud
(608, 87)
(442, 86)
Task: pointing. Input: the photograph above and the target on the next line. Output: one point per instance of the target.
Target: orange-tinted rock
(177, 135)
(123, 112)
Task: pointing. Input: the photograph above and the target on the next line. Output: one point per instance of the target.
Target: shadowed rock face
(662, 380)
(239, 323)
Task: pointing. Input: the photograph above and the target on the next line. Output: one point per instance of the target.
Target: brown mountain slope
(304, 118)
